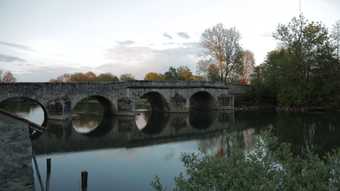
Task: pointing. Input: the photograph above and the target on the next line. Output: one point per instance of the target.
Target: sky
(42, 39)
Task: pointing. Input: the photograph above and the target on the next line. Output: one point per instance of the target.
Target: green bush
(268, 166)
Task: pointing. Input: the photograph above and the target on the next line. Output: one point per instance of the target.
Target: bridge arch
(151, 122)
(23, 99)
(157, 101)
(202, 120)
(106, 103)
(202, 101)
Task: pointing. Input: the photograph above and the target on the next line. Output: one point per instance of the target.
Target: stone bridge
(119, 98)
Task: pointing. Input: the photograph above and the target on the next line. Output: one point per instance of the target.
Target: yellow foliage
(153, 76)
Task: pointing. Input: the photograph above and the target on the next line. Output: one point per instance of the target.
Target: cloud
(139, 60)
(119, 59)
(18, 46)
(183, 35)
(8, 58)
(266, 35)
(125, 42)
(166, 35)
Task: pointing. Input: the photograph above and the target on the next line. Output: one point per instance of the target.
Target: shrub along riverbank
(270, 165)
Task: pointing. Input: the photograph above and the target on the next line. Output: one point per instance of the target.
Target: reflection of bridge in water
(123, 132)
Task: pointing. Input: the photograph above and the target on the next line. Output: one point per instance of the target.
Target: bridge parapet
(173, 84)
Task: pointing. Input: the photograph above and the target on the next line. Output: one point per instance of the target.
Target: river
(125, 153)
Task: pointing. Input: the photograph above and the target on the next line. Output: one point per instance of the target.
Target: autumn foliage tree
(7, 77)
(85, 77)
(153, 76)
(248, 65)
(107, 77)
(223, 45)
(184, 73)
(127, 77)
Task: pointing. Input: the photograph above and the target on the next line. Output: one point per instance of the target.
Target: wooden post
(48, 173)
(48, 166)
(84, 176)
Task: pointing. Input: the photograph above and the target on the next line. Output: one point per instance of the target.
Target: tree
(85, 77)
(8, 77)
(248, 62)
(213, 73)
(78, 77)
(202, 67)
(107, 77)
(171, 74)
(127, 77)
(223, 45)
(184, 73)
(304, 71)
(153, 76)
(90, 76)
(336, 38)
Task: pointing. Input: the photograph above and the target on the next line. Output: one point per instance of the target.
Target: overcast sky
(41, 39)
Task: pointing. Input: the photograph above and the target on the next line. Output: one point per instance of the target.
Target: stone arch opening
(90, 126)
(89, 113)
(100, 103)
(151, 122)
(202, 101)
(156, 101)
(202, 120)
(26, 108)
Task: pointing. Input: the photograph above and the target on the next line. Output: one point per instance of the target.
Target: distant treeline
(92, 77)
(180, 73)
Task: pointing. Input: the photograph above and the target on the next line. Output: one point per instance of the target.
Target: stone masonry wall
(16, 155)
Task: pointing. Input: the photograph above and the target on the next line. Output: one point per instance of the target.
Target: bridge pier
(126, 107)
(179, 104)
(59, 109)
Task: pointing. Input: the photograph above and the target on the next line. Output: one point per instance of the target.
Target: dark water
(125, 153)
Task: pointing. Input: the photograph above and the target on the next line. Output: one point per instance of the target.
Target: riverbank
(16, 154)
(284, 109)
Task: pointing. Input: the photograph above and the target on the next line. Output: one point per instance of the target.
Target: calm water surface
(125, 153)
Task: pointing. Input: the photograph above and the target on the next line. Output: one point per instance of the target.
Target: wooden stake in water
(48, 173)
(84, 176)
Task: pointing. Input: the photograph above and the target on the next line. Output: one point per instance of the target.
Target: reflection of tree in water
(222, 144)
(309, 131)
(305, 131)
